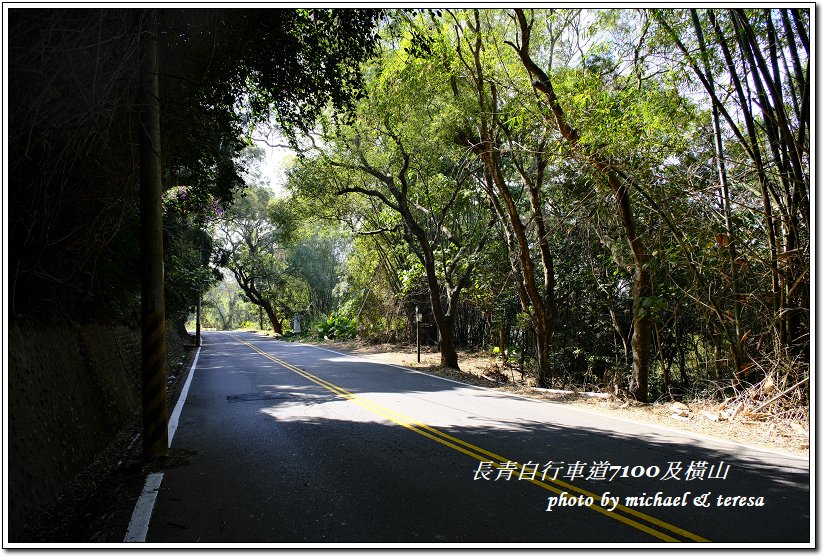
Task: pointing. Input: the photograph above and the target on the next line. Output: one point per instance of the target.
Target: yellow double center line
(655, 527)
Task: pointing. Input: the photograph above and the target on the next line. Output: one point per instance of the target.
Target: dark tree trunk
(449, 356)
(443, 318)
(542, 349)
(682, 357)
(247, 284)
(502, 336)
(666, 363)
(641, 333)
(272, 313)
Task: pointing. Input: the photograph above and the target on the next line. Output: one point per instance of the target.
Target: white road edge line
(142, 514)
(139, 524)
(661, 427)
(175, 417)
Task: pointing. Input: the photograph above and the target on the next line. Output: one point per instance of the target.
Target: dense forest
(617, 197)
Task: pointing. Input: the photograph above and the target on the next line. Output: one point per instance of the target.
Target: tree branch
(379, 231)
(371, 193)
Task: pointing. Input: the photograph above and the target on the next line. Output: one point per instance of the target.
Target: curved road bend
(291, 443)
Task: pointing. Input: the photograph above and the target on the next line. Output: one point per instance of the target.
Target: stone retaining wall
(70, 390)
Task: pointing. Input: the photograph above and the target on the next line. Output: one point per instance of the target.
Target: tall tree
(248, 247)
(390, 154)
(620, 189)
(498, 136)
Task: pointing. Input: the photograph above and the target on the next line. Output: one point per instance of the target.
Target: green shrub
(337, 327)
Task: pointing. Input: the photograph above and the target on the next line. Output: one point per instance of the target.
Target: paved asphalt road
(283, 442)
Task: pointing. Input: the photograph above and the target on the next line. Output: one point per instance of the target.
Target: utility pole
(153, 312)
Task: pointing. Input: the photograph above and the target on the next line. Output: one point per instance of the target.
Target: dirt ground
(482, 370)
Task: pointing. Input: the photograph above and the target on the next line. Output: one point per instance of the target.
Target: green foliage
(510, 355)
(187, 257)
(337, 327)
(395, 194)
(369, 291)
(624, 89)
(225, 307)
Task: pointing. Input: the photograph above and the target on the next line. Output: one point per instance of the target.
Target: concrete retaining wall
(70, 390)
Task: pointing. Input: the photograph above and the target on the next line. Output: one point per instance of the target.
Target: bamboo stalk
(776, 397)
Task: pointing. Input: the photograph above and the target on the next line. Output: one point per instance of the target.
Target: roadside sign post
(197, 319)
(418, 317)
